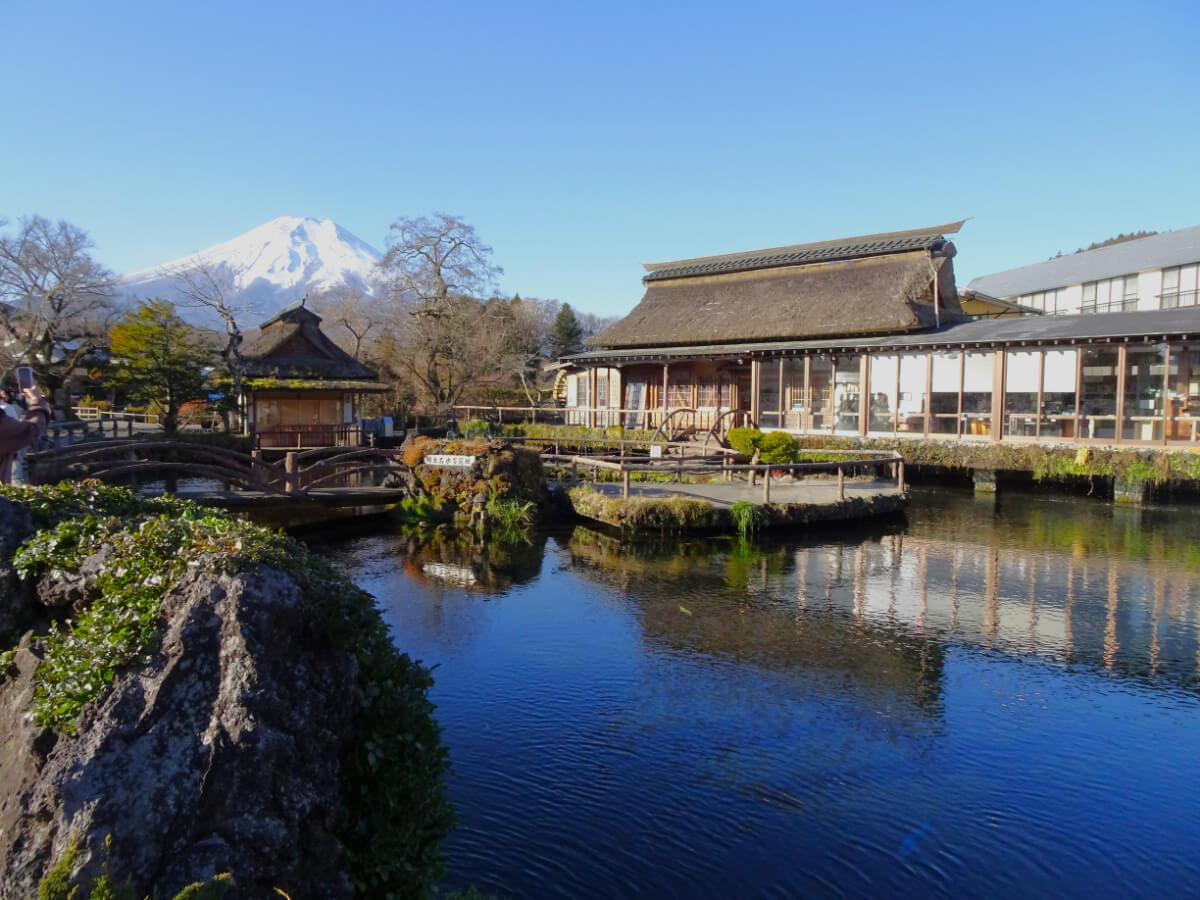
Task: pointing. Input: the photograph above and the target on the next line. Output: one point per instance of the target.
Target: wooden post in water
(900, 476)
(289, 468)
(767, 486)
(841, 484)
(624, 484)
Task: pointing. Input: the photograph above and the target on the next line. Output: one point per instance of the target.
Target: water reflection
(1075, 582)
(990, 699)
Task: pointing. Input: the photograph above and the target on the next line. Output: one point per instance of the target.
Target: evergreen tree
(566, 336)
(159, 357)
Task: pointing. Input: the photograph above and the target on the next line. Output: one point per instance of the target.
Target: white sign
(656, 451)
(449, 461)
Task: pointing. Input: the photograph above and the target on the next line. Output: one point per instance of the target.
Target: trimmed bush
(778, 447)
(744, 440)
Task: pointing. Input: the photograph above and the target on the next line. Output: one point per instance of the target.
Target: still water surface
(992, 698)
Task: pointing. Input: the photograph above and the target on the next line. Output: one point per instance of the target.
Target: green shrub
(778, 447)
(476, 428)
(744, 440)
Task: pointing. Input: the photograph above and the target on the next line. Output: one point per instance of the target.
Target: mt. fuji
(270, 267)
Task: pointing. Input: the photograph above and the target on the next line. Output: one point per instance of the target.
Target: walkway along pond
(995, 698)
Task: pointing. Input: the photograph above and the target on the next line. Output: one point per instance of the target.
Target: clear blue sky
(583, 139)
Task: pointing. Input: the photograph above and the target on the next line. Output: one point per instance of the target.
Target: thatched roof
(865, 295)
(291, 346)
(883, 244)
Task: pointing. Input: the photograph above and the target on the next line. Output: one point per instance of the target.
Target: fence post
(289, 468)
(841, 484)
(767, 486)
(624, 484)
(900, 475)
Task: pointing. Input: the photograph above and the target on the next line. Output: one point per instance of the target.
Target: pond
(992, 697)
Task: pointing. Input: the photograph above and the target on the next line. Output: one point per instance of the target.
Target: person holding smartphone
(18, 433)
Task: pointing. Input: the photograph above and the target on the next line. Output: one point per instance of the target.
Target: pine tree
(158, 357)
(566, 336)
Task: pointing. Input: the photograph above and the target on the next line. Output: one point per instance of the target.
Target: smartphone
(24, 378)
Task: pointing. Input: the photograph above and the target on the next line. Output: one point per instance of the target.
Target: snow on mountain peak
(272, 265)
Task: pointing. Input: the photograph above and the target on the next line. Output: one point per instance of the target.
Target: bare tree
(204, 286)
(352, 310)
(528, 322)
(432, 260)
(56, 302)
(440, 335)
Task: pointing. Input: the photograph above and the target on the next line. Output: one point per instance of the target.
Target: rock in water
(219, 755)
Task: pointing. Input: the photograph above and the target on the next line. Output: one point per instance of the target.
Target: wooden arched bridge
(329, 475)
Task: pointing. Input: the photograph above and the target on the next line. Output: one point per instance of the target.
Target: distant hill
(269, 267)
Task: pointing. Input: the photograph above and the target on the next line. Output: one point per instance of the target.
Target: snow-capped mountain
(269, 267)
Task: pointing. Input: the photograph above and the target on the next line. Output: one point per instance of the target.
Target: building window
(1179, 287)
(1052, 302)
(1118, 294)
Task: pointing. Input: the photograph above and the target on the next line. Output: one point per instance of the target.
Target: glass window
(943, 403)
(768, 394)
(1145, 370)
(1058, 393)
(978, 369)
(1183, 393)
(794, 406)
(707, 390)
(884, 374)
(846, 393)
(1098, 405)
(679, 390)
(910, 405)
(820, 394)
(1020, 393)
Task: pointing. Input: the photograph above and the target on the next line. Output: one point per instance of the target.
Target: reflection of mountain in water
(1081, 583)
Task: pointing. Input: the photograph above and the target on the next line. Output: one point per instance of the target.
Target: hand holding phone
(24, 378)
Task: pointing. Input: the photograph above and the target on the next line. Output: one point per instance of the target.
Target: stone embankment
(256, 726)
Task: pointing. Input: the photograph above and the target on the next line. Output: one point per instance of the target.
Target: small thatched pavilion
(301, 388)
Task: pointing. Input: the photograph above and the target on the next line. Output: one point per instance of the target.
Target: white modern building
(1156, 272)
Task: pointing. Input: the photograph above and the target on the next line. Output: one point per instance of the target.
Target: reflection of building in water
(703, 599)
(1132, 617)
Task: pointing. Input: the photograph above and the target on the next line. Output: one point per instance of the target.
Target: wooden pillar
(591, 419)
(755, 385)
(841, 481)
(1166, 392)
(624, 483)
(767, 486)
(1121, 363)
(806, 415)
(665, 383)
(290, 469)
(1078, 427)
(998, 394)
(928, 404)
(1037, 413)
(900, 476)
(962, 376)
(864, 394)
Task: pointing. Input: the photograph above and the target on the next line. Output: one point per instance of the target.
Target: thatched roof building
(897, 281)
(290, 351)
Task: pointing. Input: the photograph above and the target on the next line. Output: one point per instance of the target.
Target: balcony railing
(296, 437)
(1172, 299)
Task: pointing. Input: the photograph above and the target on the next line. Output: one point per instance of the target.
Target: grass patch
(748, 517)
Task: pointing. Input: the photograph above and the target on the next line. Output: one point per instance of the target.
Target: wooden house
(868, 336)
(300, 388)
